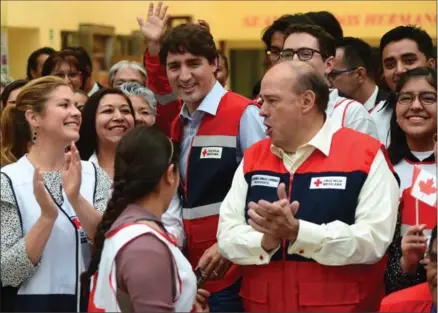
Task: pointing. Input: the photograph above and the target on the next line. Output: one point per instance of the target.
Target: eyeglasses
(70, 75)
(335, 73)
(273, 55)
(119, 83)
(304, 54)
(425, 97)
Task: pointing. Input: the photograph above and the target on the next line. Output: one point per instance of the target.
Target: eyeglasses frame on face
(415, 96)
(297, 52)
(117, 84)
(70, 75)
(270, 53)
(335, 73)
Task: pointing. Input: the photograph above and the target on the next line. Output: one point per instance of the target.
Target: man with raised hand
(214, 128)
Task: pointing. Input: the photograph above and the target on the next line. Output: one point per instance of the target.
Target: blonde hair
(15, 129)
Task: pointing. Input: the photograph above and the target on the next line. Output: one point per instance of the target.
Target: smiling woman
(107, 116)
(413, 126)
(45, 193)
(65, 64)
(143, 102)
(17, 131)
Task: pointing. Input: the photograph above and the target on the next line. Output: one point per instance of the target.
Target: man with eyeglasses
(422, 297)
(273, 38)
(353, 73)
(402, 48)
(313, 45)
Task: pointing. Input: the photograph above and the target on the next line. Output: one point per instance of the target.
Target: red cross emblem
(204, 152)
(76, 222)
(317, 182)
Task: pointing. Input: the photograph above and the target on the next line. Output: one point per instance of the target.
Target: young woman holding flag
(413, 127)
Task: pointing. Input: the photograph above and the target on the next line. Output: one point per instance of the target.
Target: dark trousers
(226, 300)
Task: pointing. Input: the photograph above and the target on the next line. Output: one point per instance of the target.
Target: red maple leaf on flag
(427, 187)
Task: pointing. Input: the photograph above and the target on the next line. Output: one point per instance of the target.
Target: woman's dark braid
(115, 207)
(125, 192)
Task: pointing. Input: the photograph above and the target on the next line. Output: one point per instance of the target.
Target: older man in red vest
(326, 250)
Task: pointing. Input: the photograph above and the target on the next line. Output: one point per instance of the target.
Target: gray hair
(308, 78)
(5, 80)
(122, 64)
(135, 89)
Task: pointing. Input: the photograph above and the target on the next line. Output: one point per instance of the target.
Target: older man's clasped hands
(276, 220)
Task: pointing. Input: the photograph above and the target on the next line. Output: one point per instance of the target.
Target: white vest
(105, 294)
(382, 117)
(350, 113)
(171, 219)
(64, 258)
(405, 171)
(93, 158)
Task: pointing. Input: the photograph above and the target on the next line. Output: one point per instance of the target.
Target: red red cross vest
(292, 283)
(210, 169)
(426, 213)
(414, 299)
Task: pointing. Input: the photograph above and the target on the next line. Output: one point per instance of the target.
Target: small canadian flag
(424, 186)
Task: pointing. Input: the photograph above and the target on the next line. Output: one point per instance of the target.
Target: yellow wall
(229, 20)
(19, 50)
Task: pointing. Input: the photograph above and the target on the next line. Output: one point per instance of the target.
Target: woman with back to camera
(413, 127)
(131, 234)
(145, 108)
(50, 201)
(106, 117)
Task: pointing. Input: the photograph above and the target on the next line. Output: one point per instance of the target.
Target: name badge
(211, 153)
(328, 182)
(265, 180)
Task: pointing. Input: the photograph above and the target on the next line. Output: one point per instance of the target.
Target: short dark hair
(60, 57)
(328, 22)
(412, 32)
(191, 38)
(87, 143)
(85, 63)
(32, 60)
(281, 24)
(10, 88)
(357, 53)
(398, 148)
(57, 59)
(326, 42)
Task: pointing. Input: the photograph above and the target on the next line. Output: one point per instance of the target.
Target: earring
(34, 137)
